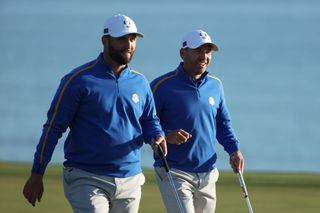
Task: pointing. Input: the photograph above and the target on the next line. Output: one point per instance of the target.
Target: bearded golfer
(110, 111)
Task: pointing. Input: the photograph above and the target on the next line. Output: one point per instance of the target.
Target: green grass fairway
(269, 192)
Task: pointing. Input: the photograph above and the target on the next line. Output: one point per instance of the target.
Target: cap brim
(215, 47)
(139, 34)
(116, 35)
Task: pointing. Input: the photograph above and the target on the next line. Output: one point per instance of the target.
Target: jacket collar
(186, 77)
(107, 68)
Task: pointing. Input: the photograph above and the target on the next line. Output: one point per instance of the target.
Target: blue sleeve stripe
(57, 106)
(163, 80)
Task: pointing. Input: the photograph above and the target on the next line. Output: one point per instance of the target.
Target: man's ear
(104, 40)
(182, 53)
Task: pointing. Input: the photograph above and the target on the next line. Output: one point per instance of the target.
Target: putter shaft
(166, 166)
(244, 190)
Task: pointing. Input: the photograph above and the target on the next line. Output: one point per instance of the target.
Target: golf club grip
(243, 185)
(163, 158)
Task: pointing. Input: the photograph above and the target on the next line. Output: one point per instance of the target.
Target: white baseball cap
(196, 38)
(120, 25)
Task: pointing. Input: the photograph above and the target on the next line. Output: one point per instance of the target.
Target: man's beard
(116, 56)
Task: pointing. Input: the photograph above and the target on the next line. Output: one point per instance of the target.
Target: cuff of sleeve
(39, 168)
(232, 148)
(149, 139)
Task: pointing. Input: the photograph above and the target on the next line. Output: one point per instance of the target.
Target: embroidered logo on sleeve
(135, 98)
(211, 101)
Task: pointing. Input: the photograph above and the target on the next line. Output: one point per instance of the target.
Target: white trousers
(91, 193)
(197, 191)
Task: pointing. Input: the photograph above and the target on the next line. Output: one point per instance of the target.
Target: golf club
(244, 190)
(166, 166)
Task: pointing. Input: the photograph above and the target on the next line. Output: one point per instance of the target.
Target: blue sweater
(108, 117)
(199, 108)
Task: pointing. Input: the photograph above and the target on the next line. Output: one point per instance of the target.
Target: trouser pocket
(214, 176)
(67, 174)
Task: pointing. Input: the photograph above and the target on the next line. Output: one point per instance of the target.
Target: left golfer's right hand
(159, 141)
(237, 161)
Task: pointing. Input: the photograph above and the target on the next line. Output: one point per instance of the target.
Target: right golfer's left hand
(159, 141)
(178, 136)
(33, 189)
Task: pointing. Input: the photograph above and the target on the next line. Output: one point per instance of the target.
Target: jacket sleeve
(157, 98)
(149, 120)
(225, 133)
(59, 116)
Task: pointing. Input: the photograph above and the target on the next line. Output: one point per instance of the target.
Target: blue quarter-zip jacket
(108, 117)
(199, 108)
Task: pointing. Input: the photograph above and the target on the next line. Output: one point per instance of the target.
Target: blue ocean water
(268, 62)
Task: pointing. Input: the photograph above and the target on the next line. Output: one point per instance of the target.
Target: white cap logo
(211, 101)
(135, 98)
(203, 35)
(127, 23)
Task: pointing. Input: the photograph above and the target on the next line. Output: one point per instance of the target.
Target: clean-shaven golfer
(193, 113)
(110, 111)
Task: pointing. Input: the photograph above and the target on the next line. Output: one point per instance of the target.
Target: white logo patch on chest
(211, 101)
(135, 98)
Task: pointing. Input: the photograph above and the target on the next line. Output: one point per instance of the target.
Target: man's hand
(33, 189)
(177, 136)
(237, 161)
(159, 141)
